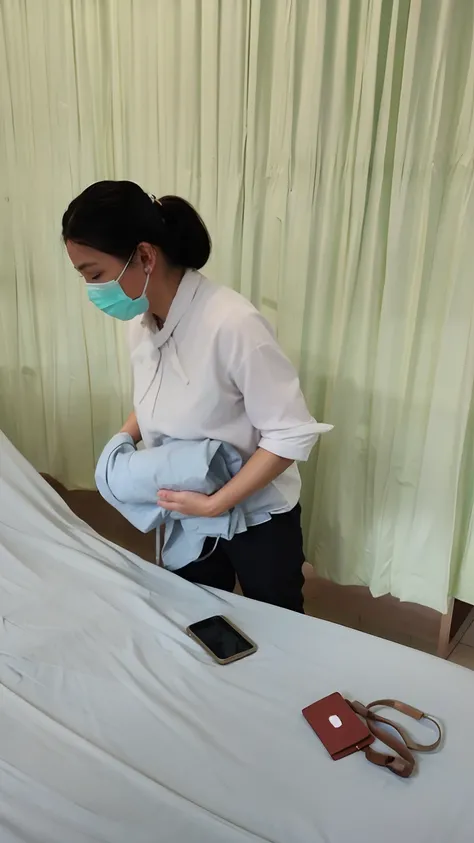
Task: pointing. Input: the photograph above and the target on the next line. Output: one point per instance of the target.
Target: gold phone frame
(237, 656)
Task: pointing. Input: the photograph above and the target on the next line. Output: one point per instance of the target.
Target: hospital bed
(116, 727)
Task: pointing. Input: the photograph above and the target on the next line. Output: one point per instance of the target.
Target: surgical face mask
(110, 297)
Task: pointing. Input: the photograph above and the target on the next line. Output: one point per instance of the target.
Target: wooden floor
(405, 623)
(103, 518)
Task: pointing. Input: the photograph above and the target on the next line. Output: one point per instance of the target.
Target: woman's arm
(275, 407)
(261, 469)
(131, 427)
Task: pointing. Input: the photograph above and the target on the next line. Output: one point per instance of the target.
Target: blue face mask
(110, 297)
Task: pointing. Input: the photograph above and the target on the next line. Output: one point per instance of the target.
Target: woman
(205, 365)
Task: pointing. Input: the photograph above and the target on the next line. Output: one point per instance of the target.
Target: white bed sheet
(116, 727)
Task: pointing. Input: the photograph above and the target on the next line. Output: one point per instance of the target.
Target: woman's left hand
(188, 503)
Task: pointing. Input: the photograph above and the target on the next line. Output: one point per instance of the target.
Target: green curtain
(329, 146)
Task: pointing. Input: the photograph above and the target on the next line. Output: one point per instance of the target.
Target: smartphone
(221, 639)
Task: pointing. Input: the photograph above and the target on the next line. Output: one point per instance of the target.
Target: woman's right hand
(131, 427)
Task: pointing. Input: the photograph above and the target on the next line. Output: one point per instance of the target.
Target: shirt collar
(187, 289)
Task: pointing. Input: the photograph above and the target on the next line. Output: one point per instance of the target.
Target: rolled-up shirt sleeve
(272, 394)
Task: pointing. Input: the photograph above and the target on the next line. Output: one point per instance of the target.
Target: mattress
(116, 727)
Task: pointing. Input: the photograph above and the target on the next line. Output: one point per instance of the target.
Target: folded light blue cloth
(129, 480)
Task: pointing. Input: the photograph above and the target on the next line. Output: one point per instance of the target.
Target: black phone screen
(220, 637)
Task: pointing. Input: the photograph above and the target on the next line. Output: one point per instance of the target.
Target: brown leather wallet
(337, 726)
(341, 736)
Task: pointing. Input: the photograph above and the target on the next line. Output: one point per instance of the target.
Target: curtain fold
(329, 146)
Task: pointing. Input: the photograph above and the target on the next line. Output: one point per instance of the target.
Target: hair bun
(186, 240)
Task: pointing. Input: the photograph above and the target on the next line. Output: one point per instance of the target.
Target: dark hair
(115, 216)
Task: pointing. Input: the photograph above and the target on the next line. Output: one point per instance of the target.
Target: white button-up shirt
(215, 371)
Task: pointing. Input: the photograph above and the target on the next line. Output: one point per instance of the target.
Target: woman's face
(98, 267)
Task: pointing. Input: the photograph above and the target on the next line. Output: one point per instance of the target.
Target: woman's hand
(131, 427)
(188, 503)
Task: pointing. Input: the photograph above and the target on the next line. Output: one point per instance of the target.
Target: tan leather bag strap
(403, 763)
